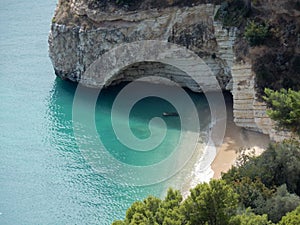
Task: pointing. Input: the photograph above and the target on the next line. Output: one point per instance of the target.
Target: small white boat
(170, 114)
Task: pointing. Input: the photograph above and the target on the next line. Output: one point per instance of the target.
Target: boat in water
(170, 114)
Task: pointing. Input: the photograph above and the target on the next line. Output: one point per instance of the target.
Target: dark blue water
(44, 178)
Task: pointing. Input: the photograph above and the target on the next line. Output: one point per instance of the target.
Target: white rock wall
(73, 49)
(247, 110)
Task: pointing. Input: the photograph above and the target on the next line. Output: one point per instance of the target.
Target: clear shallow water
(44, 179)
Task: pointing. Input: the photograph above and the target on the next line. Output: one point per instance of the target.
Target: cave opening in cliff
(152, 70)
(157, 69)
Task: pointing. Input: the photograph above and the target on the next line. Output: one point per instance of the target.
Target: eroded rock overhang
(74, 48)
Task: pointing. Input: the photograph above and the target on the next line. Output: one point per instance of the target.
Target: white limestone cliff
(74, 46)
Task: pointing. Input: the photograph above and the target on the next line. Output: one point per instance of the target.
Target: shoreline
(236, 138)
(225, 153)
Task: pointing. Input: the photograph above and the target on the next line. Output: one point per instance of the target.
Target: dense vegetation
(262, 190)
(256, 33)
(285, 110)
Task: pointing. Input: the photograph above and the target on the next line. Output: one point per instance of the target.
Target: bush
(155, 211)
(281, 203)
(249, 218)
(285, 108)
(233, 12)
(251, 193)
(256, 33)
(291, 218)
(211, 204)
(279, 164)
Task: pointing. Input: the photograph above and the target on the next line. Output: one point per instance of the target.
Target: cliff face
(248, 111)
(73, 47)
(83, 30)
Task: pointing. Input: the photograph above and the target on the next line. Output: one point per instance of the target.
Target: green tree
(285, 108)
(168, 212)
(153, 211)
(210, 203)
(279, 164)
(291, 218)
(256, 33)
(280, 204)
(142, 213)
(251, 193)
(282, 162)
(249, 218)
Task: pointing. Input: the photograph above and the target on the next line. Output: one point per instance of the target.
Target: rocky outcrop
(248, 111)
(81, 33)
(73, 48)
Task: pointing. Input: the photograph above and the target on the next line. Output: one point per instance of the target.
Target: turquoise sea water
(44, 178)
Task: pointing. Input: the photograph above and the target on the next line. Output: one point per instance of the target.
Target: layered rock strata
(73, 48)
(248, 111)
(80, 34)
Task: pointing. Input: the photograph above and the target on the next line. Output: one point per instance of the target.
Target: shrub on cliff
(263, 183)
(155, 211)
(285, 108)
(256, 33)
(233, 12)
(251, 193)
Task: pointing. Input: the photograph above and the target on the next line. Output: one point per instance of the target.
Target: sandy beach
(236, 138)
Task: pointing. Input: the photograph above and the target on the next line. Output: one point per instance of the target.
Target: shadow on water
(60, 110)
(140, 116)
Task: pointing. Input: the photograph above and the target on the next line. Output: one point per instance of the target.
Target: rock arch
(101, 72)
(247, 111)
